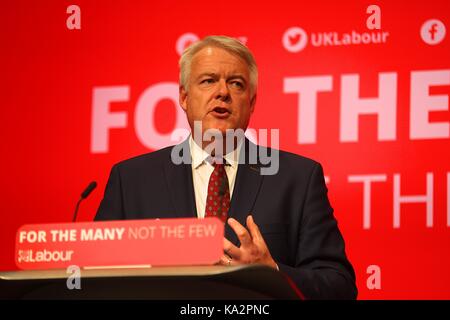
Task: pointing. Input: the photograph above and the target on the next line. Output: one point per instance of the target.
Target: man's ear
(183, 98)
(253, 103)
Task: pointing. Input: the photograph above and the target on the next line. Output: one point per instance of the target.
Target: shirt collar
(199, 156)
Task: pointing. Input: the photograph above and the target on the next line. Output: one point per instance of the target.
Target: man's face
(219, 91)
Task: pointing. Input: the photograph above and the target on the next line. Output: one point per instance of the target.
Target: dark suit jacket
(291, 209)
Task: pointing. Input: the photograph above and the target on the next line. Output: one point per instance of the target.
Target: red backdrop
(322, 64)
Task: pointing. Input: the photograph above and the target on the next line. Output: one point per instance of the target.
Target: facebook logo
(432, 31)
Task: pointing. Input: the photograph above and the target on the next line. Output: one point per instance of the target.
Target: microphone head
(89, 189)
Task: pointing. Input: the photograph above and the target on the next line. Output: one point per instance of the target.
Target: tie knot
(217, 162)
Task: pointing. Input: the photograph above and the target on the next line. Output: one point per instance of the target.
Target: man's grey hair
(232, 45)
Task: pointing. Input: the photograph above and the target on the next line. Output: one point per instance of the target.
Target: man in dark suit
(282, 219)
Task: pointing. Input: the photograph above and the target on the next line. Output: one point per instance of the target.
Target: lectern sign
(160, 242)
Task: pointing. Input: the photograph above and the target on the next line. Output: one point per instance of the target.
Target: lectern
(158, 283)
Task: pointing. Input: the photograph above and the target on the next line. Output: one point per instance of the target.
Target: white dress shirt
(202, 170)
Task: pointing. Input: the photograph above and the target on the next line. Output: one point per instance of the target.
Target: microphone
(83, 196)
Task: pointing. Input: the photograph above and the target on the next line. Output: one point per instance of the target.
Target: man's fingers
(226, 261)
(241, 232)
(230, 249)
(253, 227)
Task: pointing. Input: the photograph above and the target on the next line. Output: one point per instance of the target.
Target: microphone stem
(76, 210)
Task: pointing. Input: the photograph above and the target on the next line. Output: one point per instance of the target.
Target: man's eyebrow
(237, 76)
(210, 74)
(214, 75)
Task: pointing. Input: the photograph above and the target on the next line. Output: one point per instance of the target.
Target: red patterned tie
(218, 199)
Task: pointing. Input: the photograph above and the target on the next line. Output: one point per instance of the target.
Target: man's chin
(219, 126)
(213, 127)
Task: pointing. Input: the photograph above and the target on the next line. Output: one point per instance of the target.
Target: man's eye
(237, 84)
(207, 81)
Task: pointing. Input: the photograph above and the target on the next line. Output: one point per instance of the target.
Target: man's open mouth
(221, 110)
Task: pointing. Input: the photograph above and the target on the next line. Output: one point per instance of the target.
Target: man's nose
(223, 92)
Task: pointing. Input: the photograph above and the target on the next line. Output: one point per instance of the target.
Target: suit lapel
(180, 186)
(246, 189)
